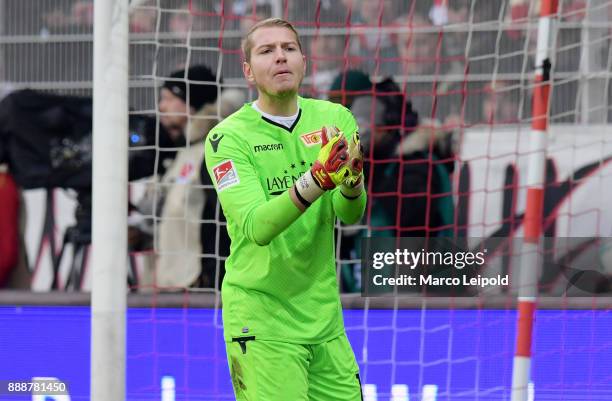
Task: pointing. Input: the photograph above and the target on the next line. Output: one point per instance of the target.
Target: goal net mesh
(460, 100)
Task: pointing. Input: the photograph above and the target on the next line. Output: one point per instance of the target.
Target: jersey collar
(267, 120)
(290, 129)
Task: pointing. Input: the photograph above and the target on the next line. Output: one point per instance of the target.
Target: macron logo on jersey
(225, 175)
(312, 138)
(268, 148)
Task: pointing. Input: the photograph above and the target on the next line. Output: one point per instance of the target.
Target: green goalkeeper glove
(352, 186)
(355, 152)
(332, 165)
(329, 170)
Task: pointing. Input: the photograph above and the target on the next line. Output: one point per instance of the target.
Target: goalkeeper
(282, 180)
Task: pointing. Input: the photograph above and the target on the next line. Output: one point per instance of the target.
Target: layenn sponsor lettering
(277, 185)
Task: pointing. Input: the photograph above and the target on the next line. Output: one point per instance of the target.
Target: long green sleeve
(270, 219)
(349, 211)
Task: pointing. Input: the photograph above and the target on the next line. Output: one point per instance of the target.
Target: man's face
(174, 112)
(277, 65)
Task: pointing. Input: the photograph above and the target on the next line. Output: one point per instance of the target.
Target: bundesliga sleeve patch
(225, 175)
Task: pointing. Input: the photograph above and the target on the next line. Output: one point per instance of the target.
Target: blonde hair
(247, 43)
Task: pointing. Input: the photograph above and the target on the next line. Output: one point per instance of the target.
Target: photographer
(183, 197)
(45, 143)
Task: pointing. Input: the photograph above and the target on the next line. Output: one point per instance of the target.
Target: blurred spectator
(77, 17)
(325, 12)
(376, 49)
(345, 87)
(518, 14)
(237, 16)
(82, 13)
(453, 42)
(443, 13)
(143, 19)
(180, 22)
(408, 165)
(326, 60)
(501, 103)
(188, 112)
(190, 36)
(352, 5)
(185, 19)
(348, 85)
(52, 61)
(434, 80)
(251, 12)
(419, 47)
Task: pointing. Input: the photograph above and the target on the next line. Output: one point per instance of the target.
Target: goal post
(531, 259)
(109, 200)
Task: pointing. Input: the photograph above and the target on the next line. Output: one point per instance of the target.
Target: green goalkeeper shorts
(276, 371)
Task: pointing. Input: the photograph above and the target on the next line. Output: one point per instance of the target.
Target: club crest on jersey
(225, 175)
(311, 138)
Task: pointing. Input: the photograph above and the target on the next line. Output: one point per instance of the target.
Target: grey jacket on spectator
(180, 197)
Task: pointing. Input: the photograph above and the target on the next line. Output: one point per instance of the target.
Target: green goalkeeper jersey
(285, 290)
